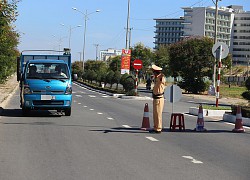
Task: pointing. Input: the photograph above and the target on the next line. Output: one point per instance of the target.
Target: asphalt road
(103, 140)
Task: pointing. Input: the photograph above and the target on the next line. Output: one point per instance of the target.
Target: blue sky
(39, 22)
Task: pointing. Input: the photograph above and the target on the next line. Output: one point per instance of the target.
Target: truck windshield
(47, 71)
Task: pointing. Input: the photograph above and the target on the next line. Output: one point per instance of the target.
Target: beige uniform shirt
(159, 85)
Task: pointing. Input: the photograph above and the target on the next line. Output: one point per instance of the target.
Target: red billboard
(125, 61)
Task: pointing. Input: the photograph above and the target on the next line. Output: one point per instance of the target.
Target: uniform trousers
(158, 105)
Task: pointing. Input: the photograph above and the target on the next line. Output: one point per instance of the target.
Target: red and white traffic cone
(200, 120)
(238, 122)
(145, 122)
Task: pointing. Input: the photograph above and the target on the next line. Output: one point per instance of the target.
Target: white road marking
(78, 95)
(152, 139)
(79, 103)
(99, 113)
(193, 160)
(126, 126)
(110, 118)
(73, 92)
(74, 101)
(92, 96)
(105, 96)
(232, 124)
(85, 106)
(91, 109)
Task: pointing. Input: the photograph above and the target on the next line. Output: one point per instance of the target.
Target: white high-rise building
(240, 44)
(233, 28)
(168, 31)
(200, 21)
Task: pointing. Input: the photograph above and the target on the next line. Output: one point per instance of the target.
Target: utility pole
(130, 30)
(215, 37)
(127, 29)
(96, 51)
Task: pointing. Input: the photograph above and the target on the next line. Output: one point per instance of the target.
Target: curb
(232, 118)
(208, 112)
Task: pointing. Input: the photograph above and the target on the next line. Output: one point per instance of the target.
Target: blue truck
(45, 80)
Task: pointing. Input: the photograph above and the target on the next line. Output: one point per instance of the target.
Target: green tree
(117, 78)
(115, 63)
(191, 59)
(77, 68)
(110, 77)
(161, 58)
(8, 38)
(101, 76)
(139, 51)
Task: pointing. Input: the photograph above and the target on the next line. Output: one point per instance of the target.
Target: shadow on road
(165, 130)
(18, 113)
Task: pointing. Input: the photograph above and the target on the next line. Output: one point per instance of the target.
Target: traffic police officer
(158, 98)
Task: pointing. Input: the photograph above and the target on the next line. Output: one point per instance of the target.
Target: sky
(40, 22)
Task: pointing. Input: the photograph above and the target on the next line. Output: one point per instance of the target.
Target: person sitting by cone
(158, 98)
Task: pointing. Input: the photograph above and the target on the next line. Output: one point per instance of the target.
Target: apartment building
(233, 28)
(201, 21)
(168, 31)
(240, 45)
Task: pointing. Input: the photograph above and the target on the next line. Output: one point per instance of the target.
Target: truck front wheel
(68, 112)
(25, 111)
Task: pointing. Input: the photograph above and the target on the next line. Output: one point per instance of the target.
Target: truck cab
(45, 82)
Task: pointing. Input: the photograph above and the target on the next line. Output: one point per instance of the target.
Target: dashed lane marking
(193, 160)
(79, 103)
(78, 95)
(152, 139)
(99, 113)
(91, 109)
(85, 106)
(126, 126)
(110, 118)
(92, 96)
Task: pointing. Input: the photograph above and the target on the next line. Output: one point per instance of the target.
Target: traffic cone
(145, 122)
(200, 120)
(238, 123)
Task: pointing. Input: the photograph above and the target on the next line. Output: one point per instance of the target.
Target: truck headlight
(68, 90)
(26, 90)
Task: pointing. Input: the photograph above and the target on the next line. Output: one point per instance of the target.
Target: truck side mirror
(18, 69)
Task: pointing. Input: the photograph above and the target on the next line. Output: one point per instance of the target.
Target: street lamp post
(85, 15)
(59, 40)
(70, 30)
(128, 25)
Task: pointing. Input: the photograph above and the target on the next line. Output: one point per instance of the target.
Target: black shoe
(155, 132)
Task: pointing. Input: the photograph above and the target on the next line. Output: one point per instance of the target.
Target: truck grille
(47, 92)
(47, 102)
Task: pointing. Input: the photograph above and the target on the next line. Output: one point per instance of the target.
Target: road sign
(137, 64)
(215, 50)
(173, 93)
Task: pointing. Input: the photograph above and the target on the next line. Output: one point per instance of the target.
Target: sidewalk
(7, 89)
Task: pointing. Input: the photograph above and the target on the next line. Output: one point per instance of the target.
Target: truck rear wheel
(68, 112)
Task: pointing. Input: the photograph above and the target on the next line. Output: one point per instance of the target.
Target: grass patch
(232, 92)
(210, 107)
